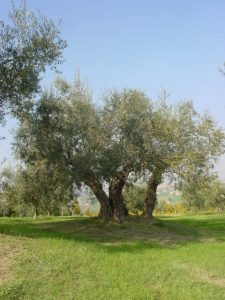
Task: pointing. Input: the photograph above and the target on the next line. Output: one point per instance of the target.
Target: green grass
(83, 258)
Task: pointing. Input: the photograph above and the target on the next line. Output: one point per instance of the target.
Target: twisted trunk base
(116, 196)
(105, 208)
(117, 201)
(151, 194)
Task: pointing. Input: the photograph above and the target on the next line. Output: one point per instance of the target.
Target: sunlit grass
(84, 258)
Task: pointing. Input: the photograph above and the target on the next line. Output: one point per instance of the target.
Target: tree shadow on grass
(136, 234)
(202, 227)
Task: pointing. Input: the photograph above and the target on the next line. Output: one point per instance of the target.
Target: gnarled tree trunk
(97, 189)
(151, 195)
(116, 196)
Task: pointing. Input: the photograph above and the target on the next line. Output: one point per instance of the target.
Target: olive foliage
(28, 45)
(121, 139)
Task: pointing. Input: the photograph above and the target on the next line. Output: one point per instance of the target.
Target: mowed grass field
(83, 258)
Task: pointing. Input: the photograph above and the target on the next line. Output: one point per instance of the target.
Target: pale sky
(171, 44)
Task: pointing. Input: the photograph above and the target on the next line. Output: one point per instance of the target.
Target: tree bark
(151, 195)
(105, 208)
(35, 214)
(116, 196)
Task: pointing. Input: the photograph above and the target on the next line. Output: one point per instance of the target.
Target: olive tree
(37, 188)
(28, 44)
(94, 145)
(64, 127)
(181, 142)
(125, 114)
(204, 192)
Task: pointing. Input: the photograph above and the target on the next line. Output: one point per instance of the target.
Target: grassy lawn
(83, 258)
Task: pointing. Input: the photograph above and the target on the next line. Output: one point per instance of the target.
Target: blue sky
(176, 45)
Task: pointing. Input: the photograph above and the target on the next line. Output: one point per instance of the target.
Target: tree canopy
(125, 137)
(28, 45)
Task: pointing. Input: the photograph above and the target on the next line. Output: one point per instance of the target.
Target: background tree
(134, 198)
(217, 200)
(195, 192)
(75, 207)
(37, 188)
(204, 192)
(7, 179)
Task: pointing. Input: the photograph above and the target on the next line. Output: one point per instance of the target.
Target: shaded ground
(168, 231)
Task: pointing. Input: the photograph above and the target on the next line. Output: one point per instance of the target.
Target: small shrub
(134, 199)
